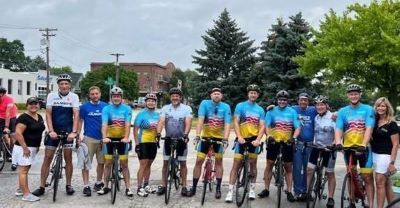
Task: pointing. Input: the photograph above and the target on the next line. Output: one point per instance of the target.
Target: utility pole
(47, 35)
(117, 55)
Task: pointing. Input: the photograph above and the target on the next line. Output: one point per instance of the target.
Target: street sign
(109, 81)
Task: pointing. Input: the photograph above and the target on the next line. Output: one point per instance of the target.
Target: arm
(49, 122)
(160, 125)
(104, 128)
(261, 129)
(236, 127)
(393, 155)
(296, 132)
(80, 124)
(338, 136)
(127, 131)
(135, 134)
(7, 118)
(199, 127)
(227, 130)
(75, 121)
(188, 124)
(367, 136)
(19, 130)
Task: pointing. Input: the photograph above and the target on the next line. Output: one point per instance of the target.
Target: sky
(157, 31)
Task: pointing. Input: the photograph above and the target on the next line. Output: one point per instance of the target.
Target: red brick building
(152, 77)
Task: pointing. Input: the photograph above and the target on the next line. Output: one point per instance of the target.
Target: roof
(75, 77)
(130, 64)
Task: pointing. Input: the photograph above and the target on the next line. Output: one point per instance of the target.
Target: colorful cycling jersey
(353, 121)
(250, 115)
(90, 113)
(175, 119)
(116, 117)
(62, 110)
(282, 122)
(306, 118)
(6, 101)
(147, 120)
(324, 130)
(216, 115)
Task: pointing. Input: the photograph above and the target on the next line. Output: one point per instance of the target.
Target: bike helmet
(175, 90)
(64, 77)
(353, 87)
(3, 90)
(282, 94)
(151, 96)
(253, 87)
(304, 95)
(321, 99)
(116, 91)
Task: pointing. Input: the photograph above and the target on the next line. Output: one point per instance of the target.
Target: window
(19, 87)
(145, 73)
(28, 87)
(51, 87)
(10, 86)
(1, 82)
(35, 86)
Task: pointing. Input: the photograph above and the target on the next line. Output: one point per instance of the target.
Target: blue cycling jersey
(282, 122)
(116, 117)
(216, 115)
(62, 110)
(250, 115)
(147, 121)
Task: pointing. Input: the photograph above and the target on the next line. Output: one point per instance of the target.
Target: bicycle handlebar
(213, 141)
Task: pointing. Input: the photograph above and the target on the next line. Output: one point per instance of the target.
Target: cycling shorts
(328, 160)
(181, 150)
(148, 151)
(273, 150)
(121, 147)
(51, 144)
(253, 151)
(203, 146)
(364, 159)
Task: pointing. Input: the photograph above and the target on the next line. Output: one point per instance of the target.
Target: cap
(304, 95)
(32, 100)
(216, 89)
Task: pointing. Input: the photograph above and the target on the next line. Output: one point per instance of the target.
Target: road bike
(173, 175)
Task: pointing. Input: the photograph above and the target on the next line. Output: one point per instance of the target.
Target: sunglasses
(216, 110)
(33, 103)
(282, 99)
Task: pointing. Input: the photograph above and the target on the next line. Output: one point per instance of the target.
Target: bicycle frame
(244, 178)
(57, 164)
(173, 168)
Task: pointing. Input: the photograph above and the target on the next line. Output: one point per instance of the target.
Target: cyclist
(282, 124)
(62, 115)
(8, 118)
(302, 148)
(355, 123)
(116, 124)
(214, 123)
(177, 119)
(144, 133)
(249, 125)
(324, 135)
(384, 145)
(90, 118)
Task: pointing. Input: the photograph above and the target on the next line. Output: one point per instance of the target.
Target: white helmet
(116, 91)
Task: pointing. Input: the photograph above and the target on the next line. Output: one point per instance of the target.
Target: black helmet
(116, 91)
(175, 90)
(353, 87)
(253, 87)
(64, 77)
(321, 99)
(150, 96)
(282, 94)
(3, 90)
(304, 95)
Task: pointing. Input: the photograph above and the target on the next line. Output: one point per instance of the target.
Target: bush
(21, 106)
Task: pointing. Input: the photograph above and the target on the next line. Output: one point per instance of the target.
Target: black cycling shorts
(273, 150)
(148, 151)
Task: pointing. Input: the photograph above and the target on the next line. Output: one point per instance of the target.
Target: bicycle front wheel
(177, 179)
(114, 179)
(3, 157)
(346, 199)
(57, 175)
(280, 181)
(170, 179)
(312, 192)
(207, 180)
(242, 183)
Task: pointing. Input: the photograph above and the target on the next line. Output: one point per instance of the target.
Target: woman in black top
(29, 130)
(384, 144)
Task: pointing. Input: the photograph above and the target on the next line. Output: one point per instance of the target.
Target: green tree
(362, 46)
(225, 62)
(276, 67)
(128, 81)
(33, 65)
(12, 54)
(60, 70)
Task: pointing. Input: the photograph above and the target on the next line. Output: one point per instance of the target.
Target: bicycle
(173, 176)
(394, 203)
(5, 150)
(244, 175)
(209, 169)
(279, 171)
(353, 189)
(56, 164)
(114, 175)
(318, 178)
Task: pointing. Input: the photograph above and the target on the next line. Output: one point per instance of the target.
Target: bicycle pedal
(324, 196)
(47, 184)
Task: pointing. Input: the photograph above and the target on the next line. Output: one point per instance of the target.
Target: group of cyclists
(302, 127)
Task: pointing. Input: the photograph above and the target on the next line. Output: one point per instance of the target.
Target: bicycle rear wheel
(312, 190)
(57, 175)
(242, 183)
(280, 181)
(170, 179)
(206, 181)
(345, 199)
(114, 179)
(3, 157)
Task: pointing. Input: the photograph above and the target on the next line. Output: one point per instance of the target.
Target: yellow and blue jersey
(147, 122)
(116, 117)
(282, 122)
(216, 115)
(250, 116)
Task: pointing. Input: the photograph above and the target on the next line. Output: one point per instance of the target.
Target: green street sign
(109, 81)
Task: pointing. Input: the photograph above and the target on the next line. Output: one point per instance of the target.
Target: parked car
(42, 102)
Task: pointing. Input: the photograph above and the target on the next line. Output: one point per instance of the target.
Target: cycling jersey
(147, 121)
(6, 101)
(324, 130)
(282, 122)
(175, 119)
(62, 110)
(250, 115)
(306, 118)
(90, 113)
(216, 115)
(116, 117)
(353, 121)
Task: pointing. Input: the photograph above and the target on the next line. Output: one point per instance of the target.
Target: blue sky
(145, 31)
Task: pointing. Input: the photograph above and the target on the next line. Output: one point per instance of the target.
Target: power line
(82, 43)
(117, 55)
(47, 35)
(67, 59)
(17, 27)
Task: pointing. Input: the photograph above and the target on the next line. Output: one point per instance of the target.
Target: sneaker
(98, 186)
(38, 192)
(120, 175)
(264, 193)
(252, 194)
(1, 158)
(229, 197)
(184, 191)
(30, 198)
(191, 192)
(330, 203)
(142, 192)
(13, 167)
(9, 159)
(129, 193)
(69, 189)
(18, 192)
(103, 191)
(301, 197)
(160, 190)
(87, 191)
(218, 194)
(290, 197)
(149, 190)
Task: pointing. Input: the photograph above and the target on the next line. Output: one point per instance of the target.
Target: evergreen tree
(225, 62)
(276, 70)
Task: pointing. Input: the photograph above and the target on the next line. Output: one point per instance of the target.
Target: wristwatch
(391, 162)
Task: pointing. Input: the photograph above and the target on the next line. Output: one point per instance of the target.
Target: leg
(164, 173)
(369, 188)
(389, 191)
(380, 181)
(253, 169)
(268, 173)
(331, 183)
(289, 175)
(147, 171)
(183, 173)
(23, 179)
(234, 171)
(107, 170)
(44, 172)
(68, 165)
(125, 172)
(141, 172)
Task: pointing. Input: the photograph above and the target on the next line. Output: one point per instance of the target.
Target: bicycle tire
(324, 179)
(57, 175)
(242, 183)
(311, 192)
(394, 202)
(345, 187)
(114, 179)
(177, 180)
(280, 181)
(3, 157)
(170, 178)
(206, 181)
